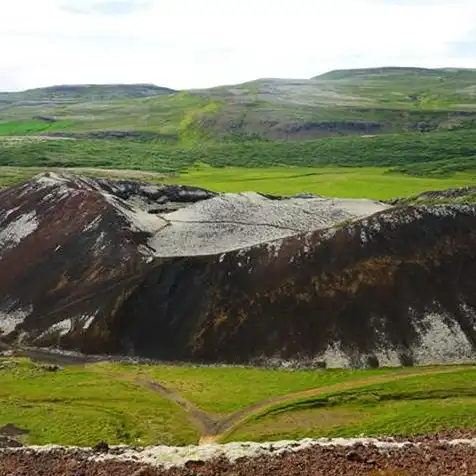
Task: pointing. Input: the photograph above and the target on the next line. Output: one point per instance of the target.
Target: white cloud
(190, 43)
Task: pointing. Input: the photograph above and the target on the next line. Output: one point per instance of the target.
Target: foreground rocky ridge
(172, 272)
(436, 454)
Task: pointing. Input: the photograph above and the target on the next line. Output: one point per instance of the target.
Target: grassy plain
(366, 182)
(225, 390)
(376, 167)
(83, 404)
(414, 405)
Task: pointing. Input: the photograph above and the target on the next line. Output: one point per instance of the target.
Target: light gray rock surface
(239, 220)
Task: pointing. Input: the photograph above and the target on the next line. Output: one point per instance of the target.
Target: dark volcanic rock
(11, 430)
(235, 277)
(451, 195)
(6, 442)
(73, 251)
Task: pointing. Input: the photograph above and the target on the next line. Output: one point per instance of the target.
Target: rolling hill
(405, 130)
(83, 92)
(348, 102)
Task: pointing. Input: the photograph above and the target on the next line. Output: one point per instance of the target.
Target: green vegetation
(365, 182)
(409, 406)
(14, 128)
(408, 122)
(397, 417)
(224, 390)
(328, 181)
(439, 154)
(394, 165)
(84, 92)
(81, 406)
(120, 403)
(338, 103)
(170, 117)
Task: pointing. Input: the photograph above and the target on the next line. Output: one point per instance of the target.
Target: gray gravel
(238, 220)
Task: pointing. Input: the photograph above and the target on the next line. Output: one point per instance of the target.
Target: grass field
(365, 182)
(410, 406)
(20, 128)
(81, 406)
(377, 167)
(246, 386)
(117, 403)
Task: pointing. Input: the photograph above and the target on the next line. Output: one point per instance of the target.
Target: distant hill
(395, 71)
(343, 102)
(86, 92)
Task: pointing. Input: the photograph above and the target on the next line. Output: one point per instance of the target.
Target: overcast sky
(200, 43)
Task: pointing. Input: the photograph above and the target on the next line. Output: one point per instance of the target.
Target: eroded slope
(182, 273)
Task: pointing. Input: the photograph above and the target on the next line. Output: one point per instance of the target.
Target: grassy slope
(174, 117)
(273, 108)
(414, 405)
(68, 94)
(187, 124)
(225, 390)
(83, 404)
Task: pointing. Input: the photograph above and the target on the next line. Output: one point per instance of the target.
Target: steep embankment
(236, 278)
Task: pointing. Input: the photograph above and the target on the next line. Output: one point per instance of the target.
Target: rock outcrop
(181, 273)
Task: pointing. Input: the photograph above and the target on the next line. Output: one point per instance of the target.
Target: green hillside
(353, 102)
(412, 123)
(84, 92)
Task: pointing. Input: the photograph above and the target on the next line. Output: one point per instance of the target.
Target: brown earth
(431, 457)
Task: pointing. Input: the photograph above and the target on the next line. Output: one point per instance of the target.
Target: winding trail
(213, 429)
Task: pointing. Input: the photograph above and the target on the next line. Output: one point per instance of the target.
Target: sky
(186, 44)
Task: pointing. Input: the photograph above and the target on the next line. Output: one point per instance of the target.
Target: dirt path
(231, 422)
(205, 423)
(213, 428)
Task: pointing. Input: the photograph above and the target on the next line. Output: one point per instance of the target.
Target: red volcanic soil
(424, 456)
